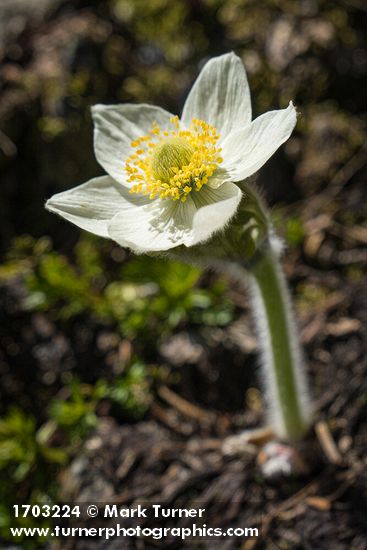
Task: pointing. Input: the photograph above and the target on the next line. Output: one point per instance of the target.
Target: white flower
(173, 181)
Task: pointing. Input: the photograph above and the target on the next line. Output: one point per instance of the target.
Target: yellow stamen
(173, 163)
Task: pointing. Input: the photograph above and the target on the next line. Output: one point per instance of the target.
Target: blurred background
(101, 351)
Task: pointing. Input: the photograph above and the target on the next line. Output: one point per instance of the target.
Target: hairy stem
(281, 354)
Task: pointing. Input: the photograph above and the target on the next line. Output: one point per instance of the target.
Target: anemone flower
(175, 181)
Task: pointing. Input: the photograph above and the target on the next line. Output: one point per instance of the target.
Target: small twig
(125, 468)
(292, 501)
(7, 145)
(184, 407)
(161, 414)
(327, 443)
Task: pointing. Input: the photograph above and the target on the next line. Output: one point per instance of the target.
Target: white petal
(246, 150)
(165, 224)
(116, 126)
(221, 206)
(157, 226)
(91, 205)
(219, 177)
(220, 95)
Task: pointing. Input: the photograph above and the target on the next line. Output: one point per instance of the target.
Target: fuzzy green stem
(279, 343)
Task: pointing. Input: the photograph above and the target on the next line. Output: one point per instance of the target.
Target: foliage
(27, 466)
(29, 455)
(22, 446)
(290, 228)
(144, 296)
(77, 414)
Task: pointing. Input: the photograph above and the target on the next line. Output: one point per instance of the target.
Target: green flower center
(169, 157)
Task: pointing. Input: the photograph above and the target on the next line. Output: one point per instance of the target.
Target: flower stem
(281, 354)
